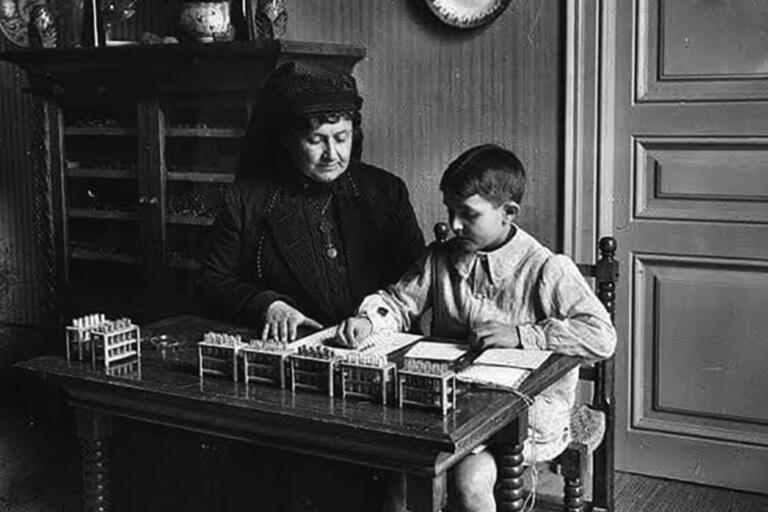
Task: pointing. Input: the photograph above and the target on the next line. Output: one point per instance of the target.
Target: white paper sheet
(513, 357)
(493, 376)
(375, 345)
(437, 351)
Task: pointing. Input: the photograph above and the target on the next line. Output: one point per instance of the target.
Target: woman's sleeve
(221, 287)
(410, 237)
(576, 322)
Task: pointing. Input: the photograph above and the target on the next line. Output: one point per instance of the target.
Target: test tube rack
(130, 369)
(218, 354)
(78, 335)
(115, 340)
(313, 368)
(427, 384)
(266, 362)
(369, 377)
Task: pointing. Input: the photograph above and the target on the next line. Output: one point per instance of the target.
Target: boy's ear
(511, 211)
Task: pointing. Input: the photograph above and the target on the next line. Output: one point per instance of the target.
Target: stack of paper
(374, 345)
(437, 351)
(504, 368)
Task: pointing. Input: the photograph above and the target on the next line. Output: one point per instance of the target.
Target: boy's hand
(494, 335)
(352, 331)
(282, 322)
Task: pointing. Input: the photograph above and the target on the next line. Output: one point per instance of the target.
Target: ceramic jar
(206, 22)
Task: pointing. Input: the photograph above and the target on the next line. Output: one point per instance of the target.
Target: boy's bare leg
(396, 495)
(473, 480)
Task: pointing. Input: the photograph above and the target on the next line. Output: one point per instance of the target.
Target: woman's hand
(282, 322)
(491, 334)
(352, 331)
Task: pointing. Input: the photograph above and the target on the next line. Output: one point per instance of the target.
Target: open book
(503, 368)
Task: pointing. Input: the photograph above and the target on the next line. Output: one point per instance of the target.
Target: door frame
(589, 159)
(588, 164)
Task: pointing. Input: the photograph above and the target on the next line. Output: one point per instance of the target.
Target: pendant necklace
(326, 228)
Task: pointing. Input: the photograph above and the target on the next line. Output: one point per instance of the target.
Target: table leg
(509, 459)
(426, 494)
(94, 429)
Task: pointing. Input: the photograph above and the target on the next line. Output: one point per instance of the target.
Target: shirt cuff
(380, 318)
(530, 337)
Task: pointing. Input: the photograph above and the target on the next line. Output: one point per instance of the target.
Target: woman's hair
(490, 171)
(296, 98)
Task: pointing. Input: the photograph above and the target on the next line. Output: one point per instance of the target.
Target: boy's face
(479, 224)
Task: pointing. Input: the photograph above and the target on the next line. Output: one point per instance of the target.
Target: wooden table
(165, 389)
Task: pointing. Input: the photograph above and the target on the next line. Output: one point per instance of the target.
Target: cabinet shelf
(95, 172)
(205, 177)
(91, 255)
(189, 220)
(83, 213)
(221, 133)
(99, 131)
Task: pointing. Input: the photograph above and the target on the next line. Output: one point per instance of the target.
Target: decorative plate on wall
(467, 13)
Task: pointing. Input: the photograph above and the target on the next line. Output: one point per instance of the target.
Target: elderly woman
(305, 233)
(309, 229)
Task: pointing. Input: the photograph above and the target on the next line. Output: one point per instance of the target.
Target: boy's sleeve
(576, 322)
(396, 307)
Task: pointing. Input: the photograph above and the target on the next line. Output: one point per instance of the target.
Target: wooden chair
(592, 425)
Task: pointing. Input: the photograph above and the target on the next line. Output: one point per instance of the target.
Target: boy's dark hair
(490, 171)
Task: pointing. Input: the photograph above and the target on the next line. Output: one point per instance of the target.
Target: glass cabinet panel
(100, 181)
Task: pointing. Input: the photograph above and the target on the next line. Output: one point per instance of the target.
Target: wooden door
(684, 121)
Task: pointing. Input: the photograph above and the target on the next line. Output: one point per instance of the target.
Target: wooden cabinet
(137, 144)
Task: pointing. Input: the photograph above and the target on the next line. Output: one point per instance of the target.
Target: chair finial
(442, 231)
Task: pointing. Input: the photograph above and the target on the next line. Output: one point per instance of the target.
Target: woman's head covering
(302, 90)
(292, 95)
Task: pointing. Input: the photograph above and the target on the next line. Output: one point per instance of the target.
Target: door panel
(701, 178)
(689, 50)
(685, 133)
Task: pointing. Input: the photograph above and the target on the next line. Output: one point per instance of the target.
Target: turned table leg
(94, 430)
(508, 450)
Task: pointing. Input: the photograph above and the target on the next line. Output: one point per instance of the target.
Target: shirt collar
(499, 260)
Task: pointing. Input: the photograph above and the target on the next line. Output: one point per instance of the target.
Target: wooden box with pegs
(370, 377)
(115, 340)
(266, 362)
(218, 354)
(427, 384)
(79, 335)
(312, 368)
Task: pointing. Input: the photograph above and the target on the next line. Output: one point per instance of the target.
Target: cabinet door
(100, 190)
(151, 200)
(202, 137)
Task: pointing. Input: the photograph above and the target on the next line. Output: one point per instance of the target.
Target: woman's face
(322, 154)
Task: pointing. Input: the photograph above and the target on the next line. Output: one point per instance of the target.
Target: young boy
(494, 285)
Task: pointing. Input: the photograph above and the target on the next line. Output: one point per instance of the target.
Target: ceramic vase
(206, 22)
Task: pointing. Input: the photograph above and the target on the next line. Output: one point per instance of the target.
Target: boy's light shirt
(523, 284)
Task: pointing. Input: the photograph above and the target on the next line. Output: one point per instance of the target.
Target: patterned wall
(19, 293)
(430, 92)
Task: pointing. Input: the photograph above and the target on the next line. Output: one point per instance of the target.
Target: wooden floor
(635, 493)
